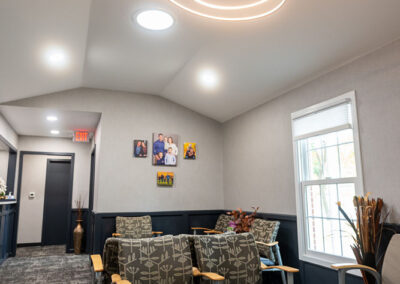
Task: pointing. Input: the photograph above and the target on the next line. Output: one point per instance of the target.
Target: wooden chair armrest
(339, 266)
(116, 235)
(268, 244)
(201, 228)
(213, 232)
(116, 278)
(157, 233)
(97, 263)
(280, 267)
(210, 275)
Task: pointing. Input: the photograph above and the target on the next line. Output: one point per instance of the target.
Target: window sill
(326, 260)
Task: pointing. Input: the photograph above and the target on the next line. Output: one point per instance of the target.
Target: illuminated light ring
(220, 7)
(226, 18)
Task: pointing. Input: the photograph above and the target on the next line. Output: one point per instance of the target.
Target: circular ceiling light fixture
(55, 132)
(56, 57)
(208, 78)
(52, 118)
(155, 20)
(244, 10)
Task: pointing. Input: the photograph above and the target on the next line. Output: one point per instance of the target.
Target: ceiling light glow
(56, 57)
(155, 20)
(52, 118)
(208, 78)
(244, 12)
(55, 132)
(204, 3)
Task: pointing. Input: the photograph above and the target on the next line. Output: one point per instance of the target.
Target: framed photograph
(189, 151)
(165, 179)
(140, 148)
(165, 149)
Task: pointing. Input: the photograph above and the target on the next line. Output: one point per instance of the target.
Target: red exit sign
(81, 136)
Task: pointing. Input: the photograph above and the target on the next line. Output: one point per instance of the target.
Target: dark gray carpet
(46, 265)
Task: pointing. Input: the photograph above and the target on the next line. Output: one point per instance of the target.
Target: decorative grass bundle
(79, 205)
(367, 232)
(243, 221)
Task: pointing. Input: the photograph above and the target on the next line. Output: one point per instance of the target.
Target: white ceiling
(33, 122)
(257, 60)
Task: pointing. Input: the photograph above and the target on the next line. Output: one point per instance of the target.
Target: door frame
(21, 161)
(44, 220)
(90, 223)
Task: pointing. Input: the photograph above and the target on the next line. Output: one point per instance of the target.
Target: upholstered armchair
(390, 268)
(164, 259)
(233, 256)
(134, 227)
(265, 233)
(220, 227)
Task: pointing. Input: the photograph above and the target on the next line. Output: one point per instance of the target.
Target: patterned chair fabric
(164, 260)
(134, 227)
(265, 231)
(223, 222)
(234, 256)
(110, 258)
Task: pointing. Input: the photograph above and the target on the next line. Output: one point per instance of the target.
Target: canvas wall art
(165, 178)
(140, 148)
(165, 149)
(190, 151)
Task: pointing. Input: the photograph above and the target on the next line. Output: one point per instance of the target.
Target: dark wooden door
(57, 189)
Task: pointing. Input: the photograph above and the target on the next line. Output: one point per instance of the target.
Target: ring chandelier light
(242, 10)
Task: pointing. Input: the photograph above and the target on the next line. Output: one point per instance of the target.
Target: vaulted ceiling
(256, 60)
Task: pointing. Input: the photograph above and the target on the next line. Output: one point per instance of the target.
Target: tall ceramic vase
(78, 235)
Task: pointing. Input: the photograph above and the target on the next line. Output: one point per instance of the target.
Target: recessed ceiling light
(52, 118)
(155, 20)
(55, 132)
(56, 57)
(208, 78)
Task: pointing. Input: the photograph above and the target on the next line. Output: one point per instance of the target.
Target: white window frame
(319, 258)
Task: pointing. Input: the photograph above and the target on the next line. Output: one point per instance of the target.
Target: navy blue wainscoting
(7, 215)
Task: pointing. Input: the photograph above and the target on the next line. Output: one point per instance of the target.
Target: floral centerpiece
(241, 221)
(3, 188)
(367, 232)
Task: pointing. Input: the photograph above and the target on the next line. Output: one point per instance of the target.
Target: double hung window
(327, 170)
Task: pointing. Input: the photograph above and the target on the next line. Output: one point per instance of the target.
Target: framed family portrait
(189, 151)
(140, 148)
(165, 179)
(165, 149)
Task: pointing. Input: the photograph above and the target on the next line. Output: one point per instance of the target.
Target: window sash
(305, 216)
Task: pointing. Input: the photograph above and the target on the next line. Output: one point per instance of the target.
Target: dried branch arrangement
(79, 203)
(243, 221)
(367, 232)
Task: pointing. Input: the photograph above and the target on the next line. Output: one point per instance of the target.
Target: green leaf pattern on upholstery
(164, 260)
(134, 227)
(234, 256)
(265, 231)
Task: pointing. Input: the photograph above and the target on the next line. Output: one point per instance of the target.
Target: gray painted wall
(7, 132)
(258, 154)
(4, 164)
(128, 184)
